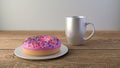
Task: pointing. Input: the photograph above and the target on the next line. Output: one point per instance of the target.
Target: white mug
(75, 29)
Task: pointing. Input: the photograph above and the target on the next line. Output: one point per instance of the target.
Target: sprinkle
(42, 41)
(38, 39)
(30, 38)
(50, 45)
(34, 39)
(33, 43)
(42, 47)
(38, 44)
(57, 43)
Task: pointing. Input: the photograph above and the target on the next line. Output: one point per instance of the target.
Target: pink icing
(41, 43)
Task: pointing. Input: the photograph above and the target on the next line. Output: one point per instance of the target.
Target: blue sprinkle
(50, 45)
(38, 39)
(34, 39)
(57, 43)
(29, 42)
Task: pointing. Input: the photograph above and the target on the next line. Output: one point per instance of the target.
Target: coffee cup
(75, 29)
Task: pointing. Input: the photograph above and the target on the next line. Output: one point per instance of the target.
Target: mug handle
(93, 31)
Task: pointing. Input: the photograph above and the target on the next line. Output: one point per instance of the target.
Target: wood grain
(102, 51)
(74, 59)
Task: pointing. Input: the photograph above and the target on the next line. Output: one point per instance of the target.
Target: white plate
(18, 52)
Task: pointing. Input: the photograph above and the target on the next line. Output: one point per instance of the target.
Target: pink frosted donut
(41, 45)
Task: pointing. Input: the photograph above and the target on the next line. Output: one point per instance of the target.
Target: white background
(50, 14)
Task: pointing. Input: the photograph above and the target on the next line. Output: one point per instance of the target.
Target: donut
(41, 45)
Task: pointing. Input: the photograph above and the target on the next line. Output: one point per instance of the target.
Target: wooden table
(102, 51)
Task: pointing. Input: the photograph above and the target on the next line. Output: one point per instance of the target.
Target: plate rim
(42, 57)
